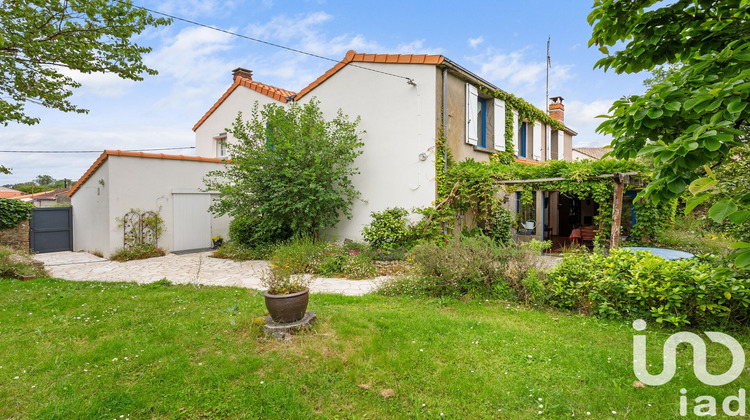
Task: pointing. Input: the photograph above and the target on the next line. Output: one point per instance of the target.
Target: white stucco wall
(91, 213)
(242, 99)
(147, 184)
(399, 120)
(134, 183)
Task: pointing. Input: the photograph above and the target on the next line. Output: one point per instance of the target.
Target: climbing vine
(440, 176)
(472, 187)
(525, 110)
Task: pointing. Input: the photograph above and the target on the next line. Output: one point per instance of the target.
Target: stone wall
(17, 237)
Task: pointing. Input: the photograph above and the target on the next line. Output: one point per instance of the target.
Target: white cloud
(196, 61)
(515, 71)
(99, 84)
(286, 28)
(581, 116)
(27, 166)
(307, 33)
(474, 42)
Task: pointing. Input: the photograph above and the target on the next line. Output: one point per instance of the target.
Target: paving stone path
(196, 268)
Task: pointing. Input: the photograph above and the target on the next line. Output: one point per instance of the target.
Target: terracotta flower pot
(287, 308)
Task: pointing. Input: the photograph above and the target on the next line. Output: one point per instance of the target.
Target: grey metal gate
(51, 229)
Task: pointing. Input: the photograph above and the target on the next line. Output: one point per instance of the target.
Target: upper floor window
(522, 137)
(221, 146)
(476, 117)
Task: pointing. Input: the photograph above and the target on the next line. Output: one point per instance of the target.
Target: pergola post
(620, 181)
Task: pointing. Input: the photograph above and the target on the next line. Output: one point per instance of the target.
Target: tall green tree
(40, 37)
(290, 173)
(690, 119)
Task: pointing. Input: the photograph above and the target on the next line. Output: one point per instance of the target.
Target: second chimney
(243, 73)
(557, 109)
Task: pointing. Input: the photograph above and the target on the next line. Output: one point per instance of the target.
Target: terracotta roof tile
(527, 161)
(268, 90)
(107, 153)
(355, 57)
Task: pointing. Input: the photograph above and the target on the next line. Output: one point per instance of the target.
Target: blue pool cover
(667, 254)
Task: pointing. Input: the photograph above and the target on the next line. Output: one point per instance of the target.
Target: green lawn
(106, 350)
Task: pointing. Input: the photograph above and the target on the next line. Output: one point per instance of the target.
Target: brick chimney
(243, 73)
(557, 109)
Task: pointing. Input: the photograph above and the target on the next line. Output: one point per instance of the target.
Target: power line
(93, 151)
(283, 47)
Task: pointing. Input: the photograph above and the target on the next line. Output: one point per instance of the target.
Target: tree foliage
(290, 172)
(691, 118)
(42, 40)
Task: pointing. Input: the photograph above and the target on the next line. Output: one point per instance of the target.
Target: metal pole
(549, 64)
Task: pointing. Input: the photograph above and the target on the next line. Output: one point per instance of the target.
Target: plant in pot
(287, 295)
(216, 242)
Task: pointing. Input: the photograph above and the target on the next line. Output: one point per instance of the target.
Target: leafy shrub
(137, 252)
(296, 256)
(641, 285)
(14, 263)
(499, 226)
(469, 265)
(389, 230)
(475, 265)
(249, 231)
(525, 271)
(238, 252)
(291, 172)
(13, 212)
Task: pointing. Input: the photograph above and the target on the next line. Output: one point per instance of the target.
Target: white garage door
(192, 221)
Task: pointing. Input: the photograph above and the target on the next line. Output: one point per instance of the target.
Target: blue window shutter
(471, 115)
(499, 124)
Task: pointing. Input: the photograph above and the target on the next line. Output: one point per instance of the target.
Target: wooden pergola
(620, 178)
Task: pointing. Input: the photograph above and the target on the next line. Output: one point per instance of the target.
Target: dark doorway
(51, 229)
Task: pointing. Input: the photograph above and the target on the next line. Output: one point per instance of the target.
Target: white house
(168, 184)
(403, 101)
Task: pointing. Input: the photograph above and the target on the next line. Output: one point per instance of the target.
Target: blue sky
(502, 41)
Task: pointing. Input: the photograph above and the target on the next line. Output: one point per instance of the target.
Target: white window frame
(472, 97)
(515, 132)
(221, 146)
(537, 140)
(499, 125)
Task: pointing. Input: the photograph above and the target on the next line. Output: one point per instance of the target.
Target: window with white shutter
(560, 145)
(548, 143)
(499, 125)
(472, 100)
(538, 141)
(515, 132)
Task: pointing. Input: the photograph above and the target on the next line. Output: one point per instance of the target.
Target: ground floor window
(526, 215)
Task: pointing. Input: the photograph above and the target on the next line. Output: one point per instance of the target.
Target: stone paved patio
(197, 268)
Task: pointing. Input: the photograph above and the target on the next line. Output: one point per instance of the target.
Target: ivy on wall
(13, 212)
(472, 186)
(526, 111)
